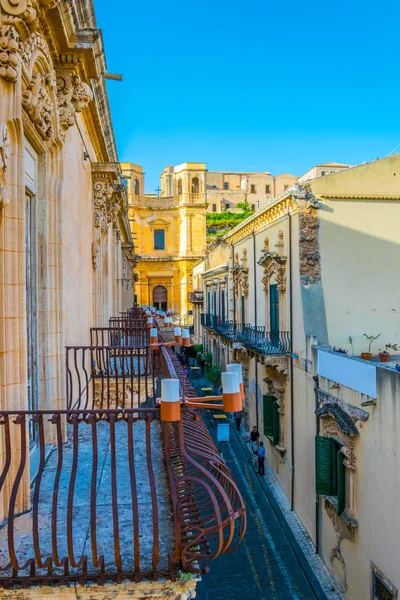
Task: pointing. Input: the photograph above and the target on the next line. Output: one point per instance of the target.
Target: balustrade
(255, 338)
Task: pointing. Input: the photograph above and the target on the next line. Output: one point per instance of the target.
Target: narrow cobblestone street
(265, 566)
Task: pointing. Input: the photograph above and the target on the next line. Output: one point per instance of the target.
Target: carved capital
(73, 96)
(5, 151)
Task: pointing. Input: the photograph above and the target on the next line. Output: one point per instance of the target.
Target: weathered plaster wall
(376, 486)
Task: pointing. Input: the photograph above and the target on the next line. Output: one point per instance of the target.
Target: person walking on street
(238, 419)
(202, 364)
(254, 435)
(261, 459)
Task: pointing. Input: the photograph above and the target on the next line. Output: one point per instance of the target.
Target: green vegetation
(214, 375)
(218, 224)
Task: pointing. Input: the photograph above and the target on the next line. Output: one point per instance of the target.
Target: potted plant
(384, 354)
(370, 338)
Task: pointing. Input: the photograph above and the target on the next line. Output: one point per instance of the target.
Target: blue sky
(252, 86)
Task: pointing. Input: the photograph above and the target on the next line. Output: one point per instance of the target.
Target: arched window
(195, 185)
(179, 187)
(137, 187)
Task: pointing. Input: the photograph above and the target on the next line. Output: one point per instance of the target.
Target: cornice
(356, 197)
(268, 216)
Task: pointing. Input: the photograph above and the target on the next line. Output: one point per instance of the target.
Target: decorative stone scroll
(73, 96)
(5, 151)
(274, 263)
(103, 193)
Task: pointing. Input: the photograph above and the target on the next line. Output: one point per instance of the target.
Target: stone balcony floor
(104, 521)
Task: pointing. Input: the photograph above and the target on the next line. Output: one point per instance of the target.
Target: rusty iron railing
(100, 508)
(104, 377)
(96, 504)
(210, 517)
(119, 336)
(127, 321)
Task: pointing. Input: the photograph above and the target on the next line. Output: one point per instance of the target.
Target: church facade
(169, 235)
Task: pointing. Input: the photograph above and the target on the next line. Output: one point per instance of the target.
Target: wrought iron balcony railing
(108, 377)
(117, 494)
(255, 338)
(196, 297)
(120, 336)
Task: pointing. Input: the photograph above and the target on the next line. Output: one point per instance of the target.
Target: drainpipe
(317, 501)
(255, 318)
(291, 362)
(233, 289)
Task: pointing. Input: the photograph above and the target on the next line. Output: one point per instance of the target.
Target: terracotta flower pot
(384, 356)
(366, 355)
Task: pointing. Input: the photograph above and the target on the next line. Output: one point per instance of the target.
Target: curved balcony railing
(100, 507)
(254, 338)
(211, 516)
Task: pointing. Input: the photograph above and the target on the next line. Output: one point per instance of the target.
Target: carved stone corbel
(73, 96)
(102, 193)
(5, 152)
(279, 363)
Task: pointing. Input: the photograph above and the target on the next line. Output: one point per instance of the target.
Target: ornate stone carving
(21, 15)
(275, 389)
(330, 428)
(38, 104)
(274, 264)
(103, 193)
(279, 363)
(9, 45)
(5, 151)
(49, 3)
(73, 96)
(240, 274)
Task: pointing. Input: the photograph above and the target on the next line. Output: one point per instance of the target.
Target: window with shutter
(268, 402)
(271, 419)
(325, 465)
(223, 304)
(274, 309)
(275, 423)
(341, 479)
(243, 311)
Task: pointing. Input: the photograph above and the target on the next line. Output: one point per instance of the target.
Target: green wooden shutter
(223, 304)
(275, 423)
(209, 303)
(325, 467)
(274, 309)
(268, 402)
(341, 480)
(215, 303)
(243, 311)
